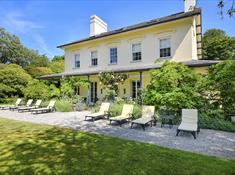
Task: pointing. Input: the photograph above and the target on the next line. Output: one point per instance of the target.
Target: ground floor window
(93, 92)
(135, 87)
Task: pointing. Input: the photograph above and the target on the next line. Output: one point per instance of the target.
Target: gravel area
(210, 142)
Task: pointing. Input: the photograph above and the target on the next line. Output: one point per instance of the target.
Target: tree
(39, 71)
(173, 86)
(221, 81)
(15, 78)
(216, 45)
(230, 10)
(58, 58)
(57, 66)
(11, 50)
(37, 89)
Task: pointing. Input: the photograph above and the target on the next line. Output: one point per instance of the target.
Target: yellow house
(134, 50)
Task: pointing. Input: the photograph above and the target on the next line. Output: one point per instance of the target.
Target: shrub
(14, 79)
(217, 123)
(64, 106)
(37, 90)
(221, 80)
(174, 86)
(39, 71)
(7, 100)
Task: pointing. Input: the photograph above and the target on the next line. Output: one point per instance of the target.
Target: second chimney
(97, 25)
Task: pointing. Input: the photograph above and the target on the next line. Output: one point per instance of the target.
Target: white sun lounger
(35, 106)
(17, 103)
(49, 108)
(104, 108)
(189, 122)
(126, 115)
(147, 117)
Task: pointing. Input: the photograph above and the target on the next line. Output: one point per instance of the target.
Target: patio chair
(28, 104)
(17, 103)
(35, 106)
(189, 122)
(49, 108)
(104, 108)
(147, 117)
(126, 115)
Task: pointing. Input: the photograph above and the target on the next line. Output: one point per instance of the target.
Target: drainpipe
(141, 94)
(88, 92)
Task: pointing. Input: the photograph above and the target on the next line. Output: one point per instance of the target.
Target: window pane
(136, 47)
(113, 55)
(94, 59)
(77, 60)
(164, 43)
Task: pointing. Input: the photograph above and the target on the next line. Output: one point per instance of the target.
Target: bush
(7, 100)
(64, 106)
(39, 71)
(174, 86)
(13, 80)
(217, 123)
(37, 90)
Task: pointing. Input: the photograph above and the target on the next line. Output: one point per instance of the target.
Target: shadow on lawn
(61, 151)
(64, 151)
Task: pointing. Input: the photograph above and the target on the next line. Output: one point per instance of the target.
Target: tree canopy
(216, 45)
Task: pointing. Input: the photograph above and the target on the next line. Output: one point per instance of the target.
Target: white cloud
(18, 23)
(42, 44)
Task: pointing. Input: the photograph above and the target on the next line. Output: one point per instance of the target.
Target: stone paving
(210, 142)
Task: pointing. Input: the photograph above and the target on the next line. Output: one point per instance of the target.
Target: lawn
(40, 149)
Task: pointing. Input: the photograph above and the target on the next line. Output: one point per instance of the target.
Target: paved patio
(210, 142)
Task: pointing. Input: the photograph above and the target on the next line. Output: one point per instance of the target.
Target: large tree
(216, 45)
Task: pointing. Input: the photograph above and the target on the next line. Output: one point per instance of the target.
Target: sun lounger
(126, 115)
(28, 104)
(104, 108)
(189, 122)
(17, 103)
(147, 117)
(35, 106)
(49, 108)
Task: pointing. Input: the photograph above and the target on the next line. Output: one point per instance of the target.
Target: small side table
(167, 119)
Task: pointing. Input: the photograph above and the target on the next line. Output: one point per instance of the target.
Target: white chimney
(189, 5)
(97, 25)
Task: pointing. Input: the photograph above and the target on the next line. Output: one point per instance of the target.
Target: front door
(135, 86)
(93, 92)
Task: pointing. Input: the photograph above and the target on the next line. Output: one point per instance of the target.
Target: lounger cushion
(120, 117)
(142, 120)
(188, 127)
(97, 114)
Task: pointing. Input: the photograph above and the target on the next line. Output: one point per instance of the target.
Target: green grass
(40, 149)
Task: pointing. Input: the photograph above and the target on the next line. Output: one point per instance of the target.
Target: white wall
(182, 45)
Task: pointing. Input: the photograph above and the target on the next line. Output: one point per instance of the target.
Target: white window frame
(165, 38)
(112, 54)
(77, 59)
(94, 57)
(133, 52)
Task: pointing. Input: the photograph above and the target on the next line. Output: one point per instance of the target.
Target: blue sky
(42, 25)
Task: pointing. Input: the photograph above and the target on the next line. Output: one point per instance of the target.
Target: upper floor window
(77, 61)
(165, 48)
(113, 55)
(136, 52)
(94, 59)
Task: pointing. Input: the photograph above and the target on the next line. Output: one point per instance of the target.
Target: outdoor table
(167, 119)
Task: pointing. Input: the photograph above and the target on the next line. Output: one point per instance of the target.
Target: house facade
(134, 50)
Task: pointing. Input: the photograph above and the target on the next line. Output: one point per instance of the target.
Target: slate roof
(156, 21)
(192, 63)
